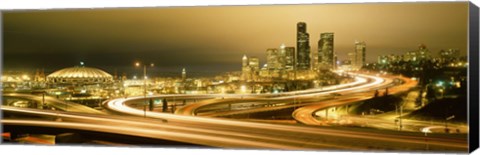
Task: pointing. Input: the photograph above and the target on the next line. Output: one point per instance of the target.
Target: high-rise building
(254, 64)
(326, 53)
(303, 47)
(246, 70)
(244, 61)
(250, 68)
(282, 55)
(423, 52)
(360, 53)
(419, 55)
(289, 58)
(273, 59)
(184, 74)
(448, 55)
(351, 57)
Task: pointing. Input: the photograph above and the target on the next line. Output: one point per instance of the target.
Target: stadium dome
(79, 74)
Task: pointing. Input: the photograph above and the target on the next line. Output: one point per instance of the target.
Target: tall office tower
(184, 74)
(254, 63)
(325, 52)
(423, 53)
(360, 53)
(282, 56)
(273, 59)
(303, 47)
(244, 61)
(245, 68)
(351, 59)
(289, 58)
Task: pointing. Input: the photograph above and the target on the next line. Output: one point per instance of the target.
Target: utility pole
(145, 91)
(144, 86)
(400, 117)
(43, 100)
(446, 125)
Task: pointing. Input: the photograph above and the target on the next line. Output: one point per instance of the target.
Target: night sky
(208, 40)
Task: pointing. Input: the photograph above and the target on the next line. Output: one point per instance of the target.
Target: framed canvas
(343, 77)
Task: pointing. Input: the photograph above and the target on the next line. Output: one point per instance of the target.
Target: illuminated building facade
(184, 74)
(326, 54)
(360, 53)
(273, 59)
(422, 54)
(289, 57)
(250, 68)
(39, 76)
(79, 75)
(303, 47)
(449, 55)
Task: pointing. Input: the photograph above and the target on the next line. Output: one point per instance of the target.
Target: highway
(53, 102)
(225, 133)
(339, 137)
(292, 99)
(231, 134)
(306, 114)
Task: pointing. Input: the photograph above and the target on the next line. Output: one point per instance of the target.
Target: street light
(446, 125)
(137, 64)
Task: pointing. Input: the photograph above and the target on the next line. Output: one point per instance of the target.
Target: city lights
(240, 77)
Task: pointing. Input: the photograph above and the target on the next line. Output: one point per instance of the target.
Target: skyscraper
(282, 57)
(246, 70)
(273, 62)
(184, 74)
(289, 58)
(326, 54)
(360, 54)
(303, 47)
(250, 68)
(254, 64)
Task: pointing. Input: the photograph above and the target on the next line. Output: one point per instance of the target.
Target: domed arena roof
(79, 75)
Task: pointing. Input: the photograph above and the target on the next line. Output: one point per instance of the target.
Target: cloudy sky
(213, 39)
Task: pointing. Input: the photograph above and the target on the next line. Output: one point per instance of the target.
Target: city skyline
(151, 35)
(346, 77)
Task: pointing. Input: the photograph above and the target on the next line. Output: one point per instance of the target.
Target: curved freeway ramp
(362, 81)
(53, 102)
(198, 131)
(306, 114)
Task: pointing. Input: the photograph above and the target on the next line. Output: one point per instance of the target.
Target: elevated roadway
(199, 131)
(306, 114)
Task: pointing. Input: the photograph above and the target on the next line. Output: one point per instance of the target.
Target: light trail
(306, 114)
(238, 134)
(283, 135)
